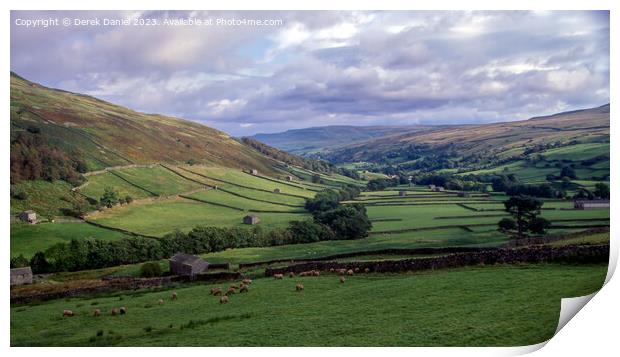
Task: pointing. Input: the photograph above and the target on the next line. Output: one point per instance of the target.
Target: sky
(314, 68)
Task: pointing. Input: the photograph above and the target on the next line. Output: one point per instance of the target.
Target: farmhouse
(431, 187)
(20, 276)
(402, 193)
(187, 265)
(251, 219)
(289, 178)
(591, 204)
(276, 190)
(254, 172)
(28, 216)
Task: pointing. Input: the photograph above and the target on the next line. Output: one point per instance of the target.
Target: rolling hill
(110, 135)
(490, 145)
(315, 140)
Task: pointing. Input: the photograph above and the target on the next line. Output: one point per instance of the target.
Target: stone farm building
(187, 265)
(438, 188)
(20, 276)
(591, 204)
(254, 172)
(28, 216)
(431, 187)
(251, 219)
(402, 193)
(289, 178)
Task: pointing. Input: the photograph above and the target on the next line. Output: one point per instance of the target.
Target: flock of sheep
(243, 287)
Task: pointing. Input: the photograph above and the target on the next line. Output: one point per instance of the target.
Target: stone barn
(254, 172)
(28, 216)
(276, 190)
(251, 219)
(438, 189)
(21, 276)
(187, 265)
(402, 193)
(289, 178)
(591, 204)
(431, 187)
(463, 194)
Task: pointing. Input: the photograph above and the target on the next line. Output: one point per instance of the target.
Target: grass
(158, 179)
(46, 198)
(184, 215)
(97, 183)
(597, 238)
(28, 239)
(478, 306)
(218, 196)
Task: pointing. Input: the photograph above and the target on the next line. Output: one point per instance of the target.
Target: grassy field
(97, 184)
(182, 214)
(28, 239)
(218, 196)
(482, 306)
(50, 198)
(158, 180)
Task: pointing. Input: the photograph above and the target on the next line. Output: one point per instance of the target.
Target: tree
(39, 264)
(524, 210)
(128, 199)
(601, 190)
(309, 232)
(19, 262)
(109, 197)
(539, 225)
(150, 270)
(347, 222)
(568, 171)
(507, 225)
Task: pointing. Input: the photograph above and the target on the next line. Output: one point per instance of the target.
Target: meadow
(478, 306)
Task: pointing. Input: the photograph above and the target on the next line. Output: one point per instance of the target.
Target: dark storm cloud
(321, 68)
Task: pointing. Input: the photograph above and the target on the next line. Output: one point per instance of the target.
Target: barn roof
(21, 271)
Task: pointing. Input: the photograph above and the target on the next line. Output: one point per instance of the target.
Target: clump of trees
(150, 270)
(34, 158)
(109, 198)
(525, 212)
(601, 191)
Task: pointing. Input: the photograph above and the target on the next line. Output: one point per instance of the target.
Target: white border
(591, 332)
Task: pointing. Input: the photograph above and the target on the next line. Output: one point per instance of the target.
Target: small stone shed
(251, 219)
(591, 204)
(402, 193)
(21, 276)
(289, 178)
(187, 265)
(431, 187)
(254, 172)
(29, 216)
(438, 189)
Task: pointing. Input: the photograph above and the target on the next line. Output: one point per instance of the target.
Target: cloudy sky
(326, 68)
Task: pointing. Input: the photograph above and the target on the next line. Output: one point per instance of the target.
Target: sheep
(291, 274)
(123, 310)
(357, 270)
(349, 272)
(341, 271)
(316, 273)
(278, 276)
(67, 313)
(342, 279)
(174, 296)
(366, 270)
(247, 281)
(233, 286)
(97, 313)
(331, 270)
(114, 312)
(303, 273)
(160, 302)
(299, 287)
(216, 291)
(243, 289)
(230, 291)
(223, 299)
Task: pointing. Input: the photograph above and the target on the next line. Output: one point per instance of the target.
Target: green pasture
(97, 184)
(159, 180)
(477, 306)
(161, 217)
(28, 239)
(224, 198)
